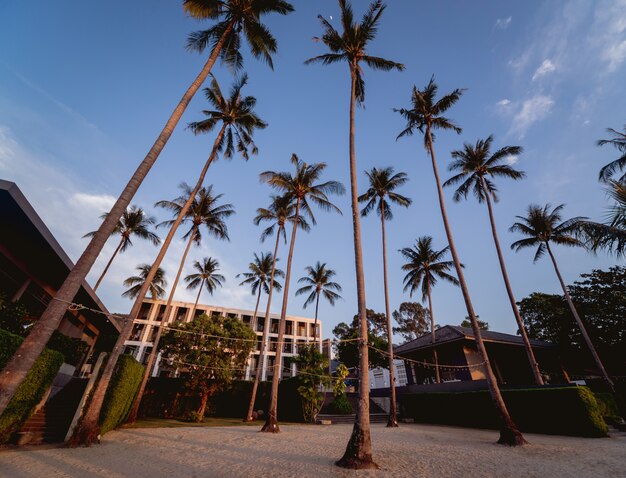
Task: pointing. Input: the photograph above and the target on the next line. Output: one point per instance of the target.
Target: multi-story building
(298, 330)
(380, 378)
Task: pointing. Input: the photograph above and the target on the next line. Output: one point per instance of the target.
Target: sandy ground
(412, 450)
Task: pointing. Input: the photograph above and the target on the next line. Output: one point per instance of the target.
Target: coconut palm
(543, 226)
(426, 115)
(234, 112)
(424, 268)
(610, 235)
(619, 142)
(233, 16)
(319, 282)
(302, 188)
(205, 277)
(477, 168)
(281, 210)
(350, 46)
(383, 182)
(156, 287)
(134, 222)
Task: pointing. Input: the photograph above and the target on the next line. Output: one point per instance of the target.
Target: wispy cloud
(511, 160)
(531, 111)
(545, 68)
(504, 102)
(503, 23)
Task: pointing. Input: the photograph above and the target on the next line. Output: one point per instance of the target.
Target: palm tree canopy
(204, 210)
(134, 222)
(236, 113)
(350, 46)
(135, 283)
(206, 270)
(425, 266)
(619, 142)
(261, 273)
(281, 210)
(383, 182)
(542, 225)
(319, 281)
(244, 16)
(475, 163)
(426, 111)
(303, 186)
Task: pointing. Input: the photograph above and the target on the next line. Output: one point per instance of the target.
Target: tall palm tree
(383, 183)
(302, 188)
(350, 46)
(156, 287)
(319, 282)
(134, 222)
(619, 142)
(542, 226)
(426, 115)
(477, 168)
(206, 211)
(281, 210)
(424, 268)
(205, 277)
(234, 113)
(610, 235)
(233, 16)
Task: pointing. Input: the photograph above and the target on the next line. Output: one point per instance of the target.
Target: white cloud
(504, 102)
(532, 110)
(615, 54)
(546, 67)
(99, 202)
(511, 160)
(503, 23)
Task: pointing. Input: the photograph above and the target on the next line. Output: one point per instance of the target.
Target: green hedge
(32, 389)
(558, 411)
(120, 393)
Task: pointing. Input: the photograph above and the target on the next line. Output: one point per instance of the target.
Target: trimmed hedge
(556, 411)
(32, 389)
(120, 393)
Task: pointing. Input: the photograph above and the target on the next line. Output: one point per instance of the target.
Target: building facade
(379, 377)
(298, 330)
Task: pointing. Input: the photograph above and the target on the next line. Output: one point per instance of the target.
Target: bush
(32, 389)
(608, 407)
(559, 411)
(120, 393)
(341, 405)
(71, 348)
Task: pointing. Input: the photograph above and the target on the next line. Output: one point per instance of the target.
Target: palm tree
(477, 167)
(426, 115)
(156, 287)
(350, 47)
(234, 16)
(610, 235)
(281, 210)
(382, 185)
(134, 222)
(542, 226)
(205, 277)
(303, 188)
(619, 142)
(319, 282)
(235, 113)
(424, 268)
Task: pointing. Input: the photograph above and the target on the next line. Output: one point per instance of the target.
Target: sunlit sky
(85, 87)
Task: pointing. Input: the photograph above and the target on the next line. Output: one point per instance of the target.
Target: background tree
(348, 352)
(618, 141)
(134, 222)
(135, 283)
(350, 46)
(481, 323)
(413, 320)
(312, 375)
(205, 277)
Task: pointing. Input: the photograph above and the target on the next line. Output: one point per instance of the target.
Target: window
(137, 332)
(181, 314)
(260, 324)
(160, 313)
(289, 327)
(274, 329)
(144, 311)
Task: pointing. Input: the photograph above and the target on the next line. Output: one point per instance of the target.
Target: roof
(40, 251)
(454, 333)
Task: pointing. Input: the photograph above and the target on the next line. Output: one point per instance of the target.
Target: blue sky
(85, 88)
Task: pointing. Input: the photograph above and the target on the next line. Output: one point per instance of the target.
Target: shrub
(341, 405)
(120, 393)
(608, 407)
(560, 411)
(32, 389)
(71, 348)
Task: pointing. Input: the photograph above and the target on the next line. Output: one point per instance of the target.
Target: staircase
(51, 422)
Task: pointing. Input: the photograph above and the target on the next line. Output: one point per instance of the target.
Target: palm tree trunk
(249, 417)
(106, 269)
(132, 418)
(89, 429)
(581, 326)
(195, 305)
(263, 351)
(509, 434)
(271, 423)
(24, 357)
(358, 452)
(317, 306)
(393, 418)
(520, 325)
(432, 331)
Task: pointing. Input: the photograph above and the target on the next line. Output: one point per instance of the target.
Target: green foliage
(413, 320)
(32, 389)
(339, 387)
(312, 372)
(482, 325)
(348, 352)
(71, 348)
(13, 316)
(608, 407)
(559, 411)
(341, 405)
(120, 393)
